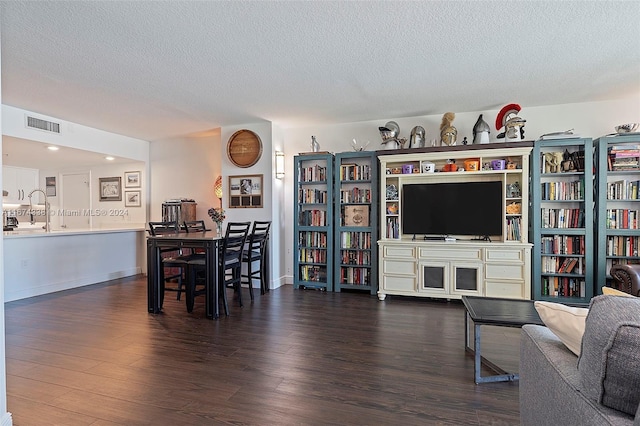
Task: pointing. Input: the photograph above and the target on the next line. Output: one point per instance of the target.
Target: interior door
(75, 200)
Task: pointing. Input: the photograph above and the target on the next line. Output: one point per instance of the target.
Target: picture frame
(110, 188)
(245, 191)
(132, 179)
(132, 198)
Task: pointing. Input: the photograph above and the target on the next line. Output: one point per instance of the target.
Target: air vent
(40, 124)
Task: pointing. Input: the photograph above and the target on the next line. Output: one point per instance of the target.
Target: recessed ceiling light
(53, 148)
(109, 158)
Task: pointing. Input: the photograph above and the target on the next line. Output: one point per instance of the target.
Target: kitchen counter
(30, 231)
(38, 262)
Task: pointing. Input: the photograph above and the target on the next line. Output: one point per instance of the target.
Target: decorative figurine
(315, 146)
(464, 141)
(389, 134)
(417, 137)
(514, 125)
(448, 133)
(481, 131)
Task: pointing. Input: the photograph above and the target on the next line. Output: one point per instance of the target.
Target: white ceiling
(155, 70)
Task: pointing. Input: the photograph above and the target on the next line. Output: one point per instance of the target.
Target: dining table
(209, 242)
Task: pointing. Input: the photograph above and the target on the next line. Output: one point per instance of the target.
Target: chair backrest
(234, 240)
(194, 226)
(159, 228)
(259, 235)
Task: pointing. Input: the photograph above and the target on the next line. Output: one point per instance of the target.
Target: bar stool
(257, 251)
(230, 264)
(170, 259)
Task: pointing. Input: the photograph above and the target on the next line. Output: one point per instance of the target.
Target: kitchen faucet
(47, 208)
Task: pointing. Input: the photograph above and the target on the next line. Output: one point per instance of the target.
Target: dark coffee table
(497, 312)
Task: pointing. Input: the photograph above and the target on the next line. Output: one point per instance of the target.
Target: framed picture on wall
(110, 188)
(132, 179)
(245, 191)
(132, 198)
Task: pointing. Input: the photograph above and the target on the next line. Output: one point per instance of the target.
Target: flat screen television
(452, 208)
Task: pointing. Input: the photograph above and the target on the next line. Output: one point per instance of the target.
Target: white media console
(456, 265)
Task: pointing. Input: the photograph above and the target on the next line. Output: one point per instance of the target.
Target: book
(356, 215)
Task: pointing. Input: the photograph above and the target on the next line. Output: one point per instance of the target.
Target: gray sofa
(559, 388)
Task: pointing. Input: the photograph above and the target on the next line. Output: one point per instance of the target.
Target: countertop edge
(8, 235)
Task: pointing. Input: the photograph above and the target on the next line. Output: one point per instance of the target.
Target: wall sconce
(279, 164)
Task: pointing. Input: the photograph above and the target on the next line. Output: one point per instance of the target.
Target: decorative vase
(315, 146)
(219, 228)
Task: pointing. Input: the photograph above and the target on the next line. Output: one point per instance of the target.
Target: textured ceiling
(154, 70)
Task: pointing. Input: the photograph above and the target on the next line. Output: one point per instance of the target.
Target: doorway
(75, 200)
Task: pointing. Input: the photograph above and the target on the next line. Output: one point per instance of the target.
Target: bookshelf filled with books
(356, 223)
(313, 229)
(618, 202)
(562, 220)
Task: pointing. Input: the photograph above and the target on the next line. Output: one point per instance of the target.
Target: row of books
(354, 257)
(622, 219)
(313, 255)
(563, 191)
(393, 228)
(312, 218)
(624, 157)
(562, 265)
(621, 245)
(562, 218)
(514, 226)
(355, 276)
(624, 164)
(563, 287)
(314, 173)
(355, 195)
(355, 172)
(312, 239)
(563, 244)
(623, 190)
(355, 240)
(313, 273)
(313, 196)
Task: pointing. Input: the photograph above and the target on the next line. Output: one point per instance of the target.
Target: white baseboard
(7, 420)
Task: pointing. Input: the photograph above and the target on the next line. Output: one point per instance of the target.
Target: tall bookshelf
(356, 221)
(313, 229)
(618, 203)
(562, 220)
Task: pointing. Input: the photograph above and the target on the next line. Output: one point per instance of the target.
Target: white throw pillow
(564, 321)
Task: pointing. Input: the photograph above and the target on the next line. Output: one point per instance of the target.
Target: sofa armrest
(626, 278)
(550, 383)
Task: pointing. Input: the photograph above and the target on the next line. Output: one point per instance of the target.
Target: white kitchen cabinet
(18, 182)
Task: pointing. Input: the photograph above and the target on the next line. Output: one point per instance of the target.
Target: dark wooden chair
(171, 259)
(230, 264)
(194, 226)
(256, 251)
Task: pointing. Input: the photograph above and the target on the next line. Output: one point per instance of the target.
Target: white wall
(593, 119)
(185, 168)
(5, 417)
(188, 167)
(273, 197)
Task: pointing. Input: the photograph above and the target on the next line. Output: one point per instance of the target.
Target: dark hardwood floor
(94, 356)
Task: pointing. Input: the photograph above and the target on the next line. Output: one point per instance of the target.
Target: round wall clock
(244, 148)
